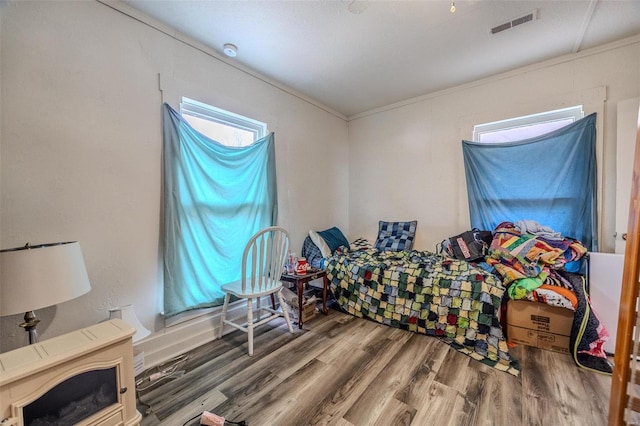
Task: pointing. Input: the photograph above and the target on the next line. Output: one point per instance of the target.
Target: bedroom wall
(81, 148)
(405, 160)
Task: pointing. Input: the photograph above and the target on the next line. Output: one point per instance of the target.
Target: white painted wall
(627, 128)
(81, 148)
(605, 286)
(405, 160)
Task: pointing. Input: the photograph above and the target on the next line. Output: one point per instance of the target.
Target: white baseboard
(175, 340)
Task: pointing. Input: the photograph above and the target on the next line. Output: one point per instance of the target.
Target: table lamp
(35, 277)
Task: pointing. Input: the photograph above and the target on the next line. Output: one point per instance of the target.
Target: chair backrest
(263, 259)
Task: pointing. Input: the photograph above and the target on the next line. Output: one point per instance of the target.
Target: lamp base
(29, 325)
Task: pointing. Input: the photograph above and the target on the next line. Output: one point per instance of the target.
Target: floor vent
(515, 22)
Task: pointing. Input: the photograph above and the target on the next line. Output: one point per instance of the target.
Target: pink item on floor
(210, 419)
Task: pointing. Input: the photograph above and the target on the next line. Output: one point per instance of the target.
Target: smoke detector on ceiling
(527, 17)
(230, 50)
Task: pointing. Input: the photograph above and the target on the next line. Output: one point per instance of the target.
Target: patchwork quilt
(426, 293)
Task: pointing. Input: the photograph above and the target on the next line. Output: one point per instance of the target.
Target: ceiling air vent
(515, 22)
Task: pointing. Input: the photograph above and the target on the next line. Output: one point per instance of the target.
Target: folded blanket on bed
(553, 296)
(426, 293)
(517, 256)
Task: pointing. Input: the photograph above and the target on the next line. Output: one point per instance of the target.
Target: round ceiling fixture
(357, 7)
(230, 50)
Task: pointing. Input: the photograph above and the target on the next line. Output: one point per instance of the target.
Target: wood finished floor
(345, 371)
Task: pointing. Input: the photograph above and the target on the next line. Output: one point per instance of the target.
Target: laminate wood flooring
(347, 371)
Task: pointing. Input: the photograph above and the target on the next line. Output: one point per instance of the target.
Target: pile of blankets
(530, 261)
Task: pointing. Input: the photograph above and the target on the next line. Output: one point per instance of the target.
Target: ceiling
(357, 55)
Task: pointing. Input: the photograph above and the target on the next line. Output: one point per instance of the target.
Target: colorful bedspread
(426, 293)
(531, 267)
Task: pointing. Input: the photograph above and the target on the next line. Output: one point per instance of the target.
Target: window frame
(574, 113)
(201, 110)
(208, 112)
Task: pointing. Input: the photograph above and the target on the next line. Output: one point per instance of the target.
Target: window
(222, 126)
(528, 126)
(550, 179)
(219, 189)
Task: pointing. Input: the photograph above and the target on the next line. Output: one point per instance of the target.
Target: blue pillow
(396, 236)
(334, 238)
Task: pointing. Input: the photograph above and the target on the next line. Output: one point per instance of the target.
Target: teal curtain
(550, 179)
(215, 198)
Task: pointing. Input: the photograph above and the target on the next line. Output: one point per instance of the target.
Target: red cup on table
(302, 266)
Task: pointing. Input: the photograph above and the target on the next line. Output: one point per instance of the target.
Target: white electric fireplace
(82, 378)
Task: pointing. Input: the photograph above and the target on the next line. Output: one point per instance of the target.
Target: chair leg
(258, 308)
(285, 311)
(250, 325)
(223, 315)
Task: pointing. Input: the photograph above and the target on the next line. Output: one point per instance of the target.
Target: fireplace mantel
(28, 373)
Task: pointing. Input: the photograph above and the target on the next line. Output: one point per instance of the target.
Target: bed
(463, 303)
(426, 293)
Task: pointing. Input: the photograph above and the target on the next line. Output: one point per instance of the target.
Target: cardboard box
(308, 305)
(539, 325)
(308, 311)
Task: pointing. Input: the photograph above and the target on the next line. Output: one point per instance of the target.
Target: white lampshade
(128, 315)
(34, 277)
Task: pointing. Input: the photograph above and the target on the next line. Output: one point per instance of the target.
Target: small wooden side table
(301, 280)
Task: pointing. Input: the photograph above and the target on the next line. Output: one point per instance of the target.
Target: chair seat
(235, 288)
